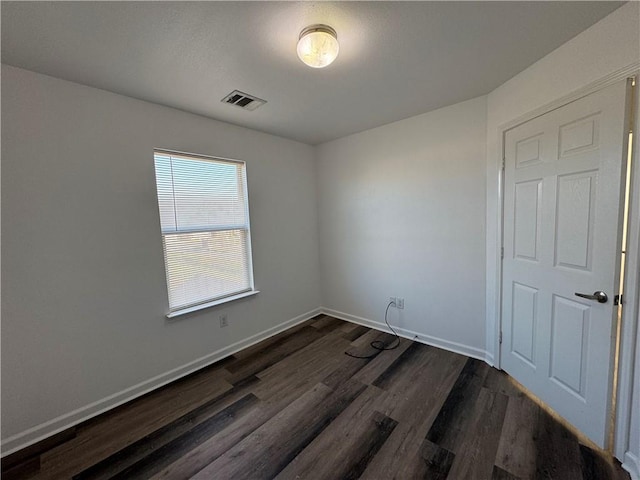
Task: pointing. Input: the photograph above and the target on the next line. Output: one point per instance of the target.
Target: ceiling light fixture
(318, 45)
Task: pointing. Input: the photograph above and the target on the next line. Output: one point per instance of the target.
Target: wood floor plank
(500, 382)
(269, 449)
(400, 457)
(379, 363)
(432, 372)
(500, 474)
(414, 368)
(323, 321)
(372, 336)
(557, 450)
(435, 462)
(455, 415)
(347, 327)
(115, 430)
(375, 344)
(343, 431)
(154, 452)
(167, 433)
(348, 367)
(355, 333)
(306, 366)
(204, 454)
(175, 449)
(319, 321)
(266, 343)
(405, 362)
(477, 451)
(263, 359)
(28, 454)
(331, 325)
(427, 460)
(350, 451)
(199, 457)
(593, 467)
(379, 427)
(24, 470)
(517, 448)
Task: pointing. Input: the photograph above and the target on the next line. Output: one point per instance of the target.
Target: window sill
(202, 306)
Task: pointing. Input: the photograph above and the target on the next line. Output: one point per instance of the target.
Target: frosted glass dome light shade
(318, 46)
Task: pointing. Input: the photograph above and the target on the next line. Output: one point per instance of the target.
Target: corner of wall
(321, 273)
(442, 343)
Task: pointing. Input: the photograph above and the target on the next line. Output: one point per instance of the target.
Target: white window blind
(204, 217)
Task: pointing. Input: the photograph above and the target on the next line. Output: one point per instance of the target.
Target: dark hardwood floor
(295, 406)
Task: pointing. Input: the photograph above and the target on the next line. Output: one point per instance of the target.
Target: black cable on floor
(379, 345)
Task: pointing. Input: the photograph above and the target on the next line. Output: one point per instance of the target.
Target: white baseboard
(68, 420)
(411, 335)
(488, 357)
(632, 465)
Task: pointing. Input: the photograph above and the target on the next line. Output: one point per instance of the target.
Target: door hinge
(500, 338)
(503, 163)
(617, 300)
(502, 253)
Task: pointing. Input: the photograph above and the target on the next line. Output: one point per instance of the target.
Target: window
(204, 216)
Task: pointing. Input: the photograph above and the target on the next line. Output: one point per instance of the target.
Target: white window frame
(246, 227)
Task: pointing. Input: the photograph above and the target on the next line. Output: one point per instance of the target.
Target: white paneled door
(562, 211)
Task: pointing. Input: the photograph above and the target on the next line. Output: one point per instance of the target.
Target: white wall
(609, 46)
(84, 291)
(401, 211)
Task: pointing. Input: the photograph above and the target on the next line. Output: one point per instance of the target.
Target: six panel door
(562, 197)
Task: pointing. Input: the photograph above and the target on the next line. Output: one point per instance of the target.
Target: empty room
(320, 240)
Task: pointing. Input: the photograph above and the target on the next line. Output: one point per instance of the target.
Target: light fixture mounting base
(318, 28)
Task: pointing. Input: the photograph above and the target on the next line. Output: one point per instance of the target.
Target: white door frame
(630, 316)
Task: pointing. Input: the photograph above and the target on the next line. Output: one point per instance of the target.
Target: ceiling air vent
(243, 100)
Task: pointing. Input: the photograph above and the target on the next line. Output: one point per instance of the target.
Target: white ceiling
(397, 59)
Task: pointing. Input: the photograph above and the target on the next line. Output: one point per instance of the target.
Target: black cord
(379, 345)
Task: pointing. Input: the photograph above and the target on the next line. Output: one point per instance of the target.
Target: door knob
(600, 296)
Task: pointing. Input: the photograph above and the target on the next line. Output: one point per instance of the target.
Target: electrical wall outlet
(400, 303)
(392, 301)
(224, 321)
